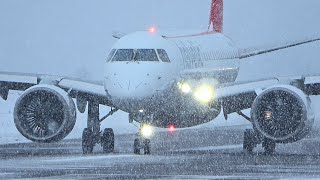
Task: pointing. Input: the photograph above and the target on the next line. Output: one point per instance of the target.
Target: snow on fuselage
(144, 70)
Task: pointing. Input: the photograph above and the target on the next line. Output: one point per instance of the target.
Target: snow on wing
(238, 96)
(75, 87)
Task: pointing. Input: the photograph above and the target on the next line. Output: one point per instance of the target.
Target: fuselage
(145, 72)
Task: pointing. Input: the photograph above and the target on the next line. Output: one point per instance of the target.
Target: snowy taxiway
(208, 153)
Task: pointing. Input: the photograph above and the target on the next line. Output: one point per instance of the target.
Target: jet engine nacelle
(282, 113)
(45, 113)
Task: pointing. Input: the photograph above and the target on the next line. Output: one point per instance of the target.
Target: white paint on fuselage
(136, 79)
(209, 55)
(140, 79)
(137, 85)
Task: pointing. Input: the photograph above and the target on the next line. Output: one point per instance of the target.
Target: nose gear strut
(141, 142)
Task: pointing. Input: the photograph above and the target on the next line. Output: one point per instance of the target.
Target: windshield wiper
(134, 59)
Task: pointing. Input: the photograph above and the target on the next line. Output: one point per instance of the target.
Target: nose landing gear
(141, 143)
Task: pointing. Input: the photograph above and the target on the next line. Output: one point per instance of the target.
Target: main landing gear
(92, 135)
(252, 138)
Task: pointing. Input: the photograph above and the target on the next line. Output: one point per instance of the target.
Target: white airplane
(168, 82)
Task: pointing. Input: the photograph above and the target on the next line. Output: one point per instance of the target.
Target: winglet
(216, 16)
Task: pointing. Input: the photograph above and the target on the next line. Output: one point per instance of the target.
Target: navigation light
(171, 128)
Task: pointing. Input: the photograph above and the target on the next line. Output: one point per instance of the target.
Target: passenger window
(123, 55)
(163, 55)
(111, 55)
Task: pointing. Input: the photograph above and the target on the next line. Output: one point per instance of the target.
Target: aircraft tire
(136, 146)
(87, 141)
(248, 140)
(269, 146)
(107, 140)
(147, 146)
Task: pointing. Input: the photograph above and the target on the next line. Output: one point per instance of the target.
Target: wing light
(147, 131)
(204, 94)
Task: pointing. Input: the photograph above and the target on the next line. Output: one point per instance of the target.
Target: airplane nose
(136, 80)
(130, 88)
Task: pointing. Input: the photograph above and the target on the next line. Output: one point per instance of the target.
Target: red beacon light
(152, 29)
(172, 128)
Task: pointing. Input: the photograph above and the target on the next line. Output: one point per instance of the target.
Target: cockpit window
(135, 55)
(123, 55)
(163, 55)
(111, 55)
(145, 55)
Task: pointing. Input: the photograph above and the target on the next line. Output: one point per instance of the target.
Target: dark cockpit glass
(135, 55)
(163, 55)
(145, 55)
(123, 55)
(111, 55)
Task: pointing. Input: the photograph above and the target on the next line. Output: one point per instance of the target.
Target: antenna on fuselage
(118, 34)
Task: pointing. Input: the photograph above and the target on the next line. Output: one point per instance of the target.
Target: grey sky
(68, 36)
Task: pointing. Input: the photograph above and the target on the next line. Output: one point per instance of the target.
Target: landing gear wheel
(147, 146)
(107, 140)
(87, 141)
(269, 146)
(249, 140)
(136, 146)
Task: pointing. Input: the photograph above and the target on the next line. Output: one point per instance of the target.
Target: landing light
(184, 87)
(204, 94)
(147, 131)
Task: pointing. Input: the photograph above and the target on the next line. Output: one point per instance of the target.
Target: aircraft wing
(22, 81)
(250, 52)
(238, 96)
